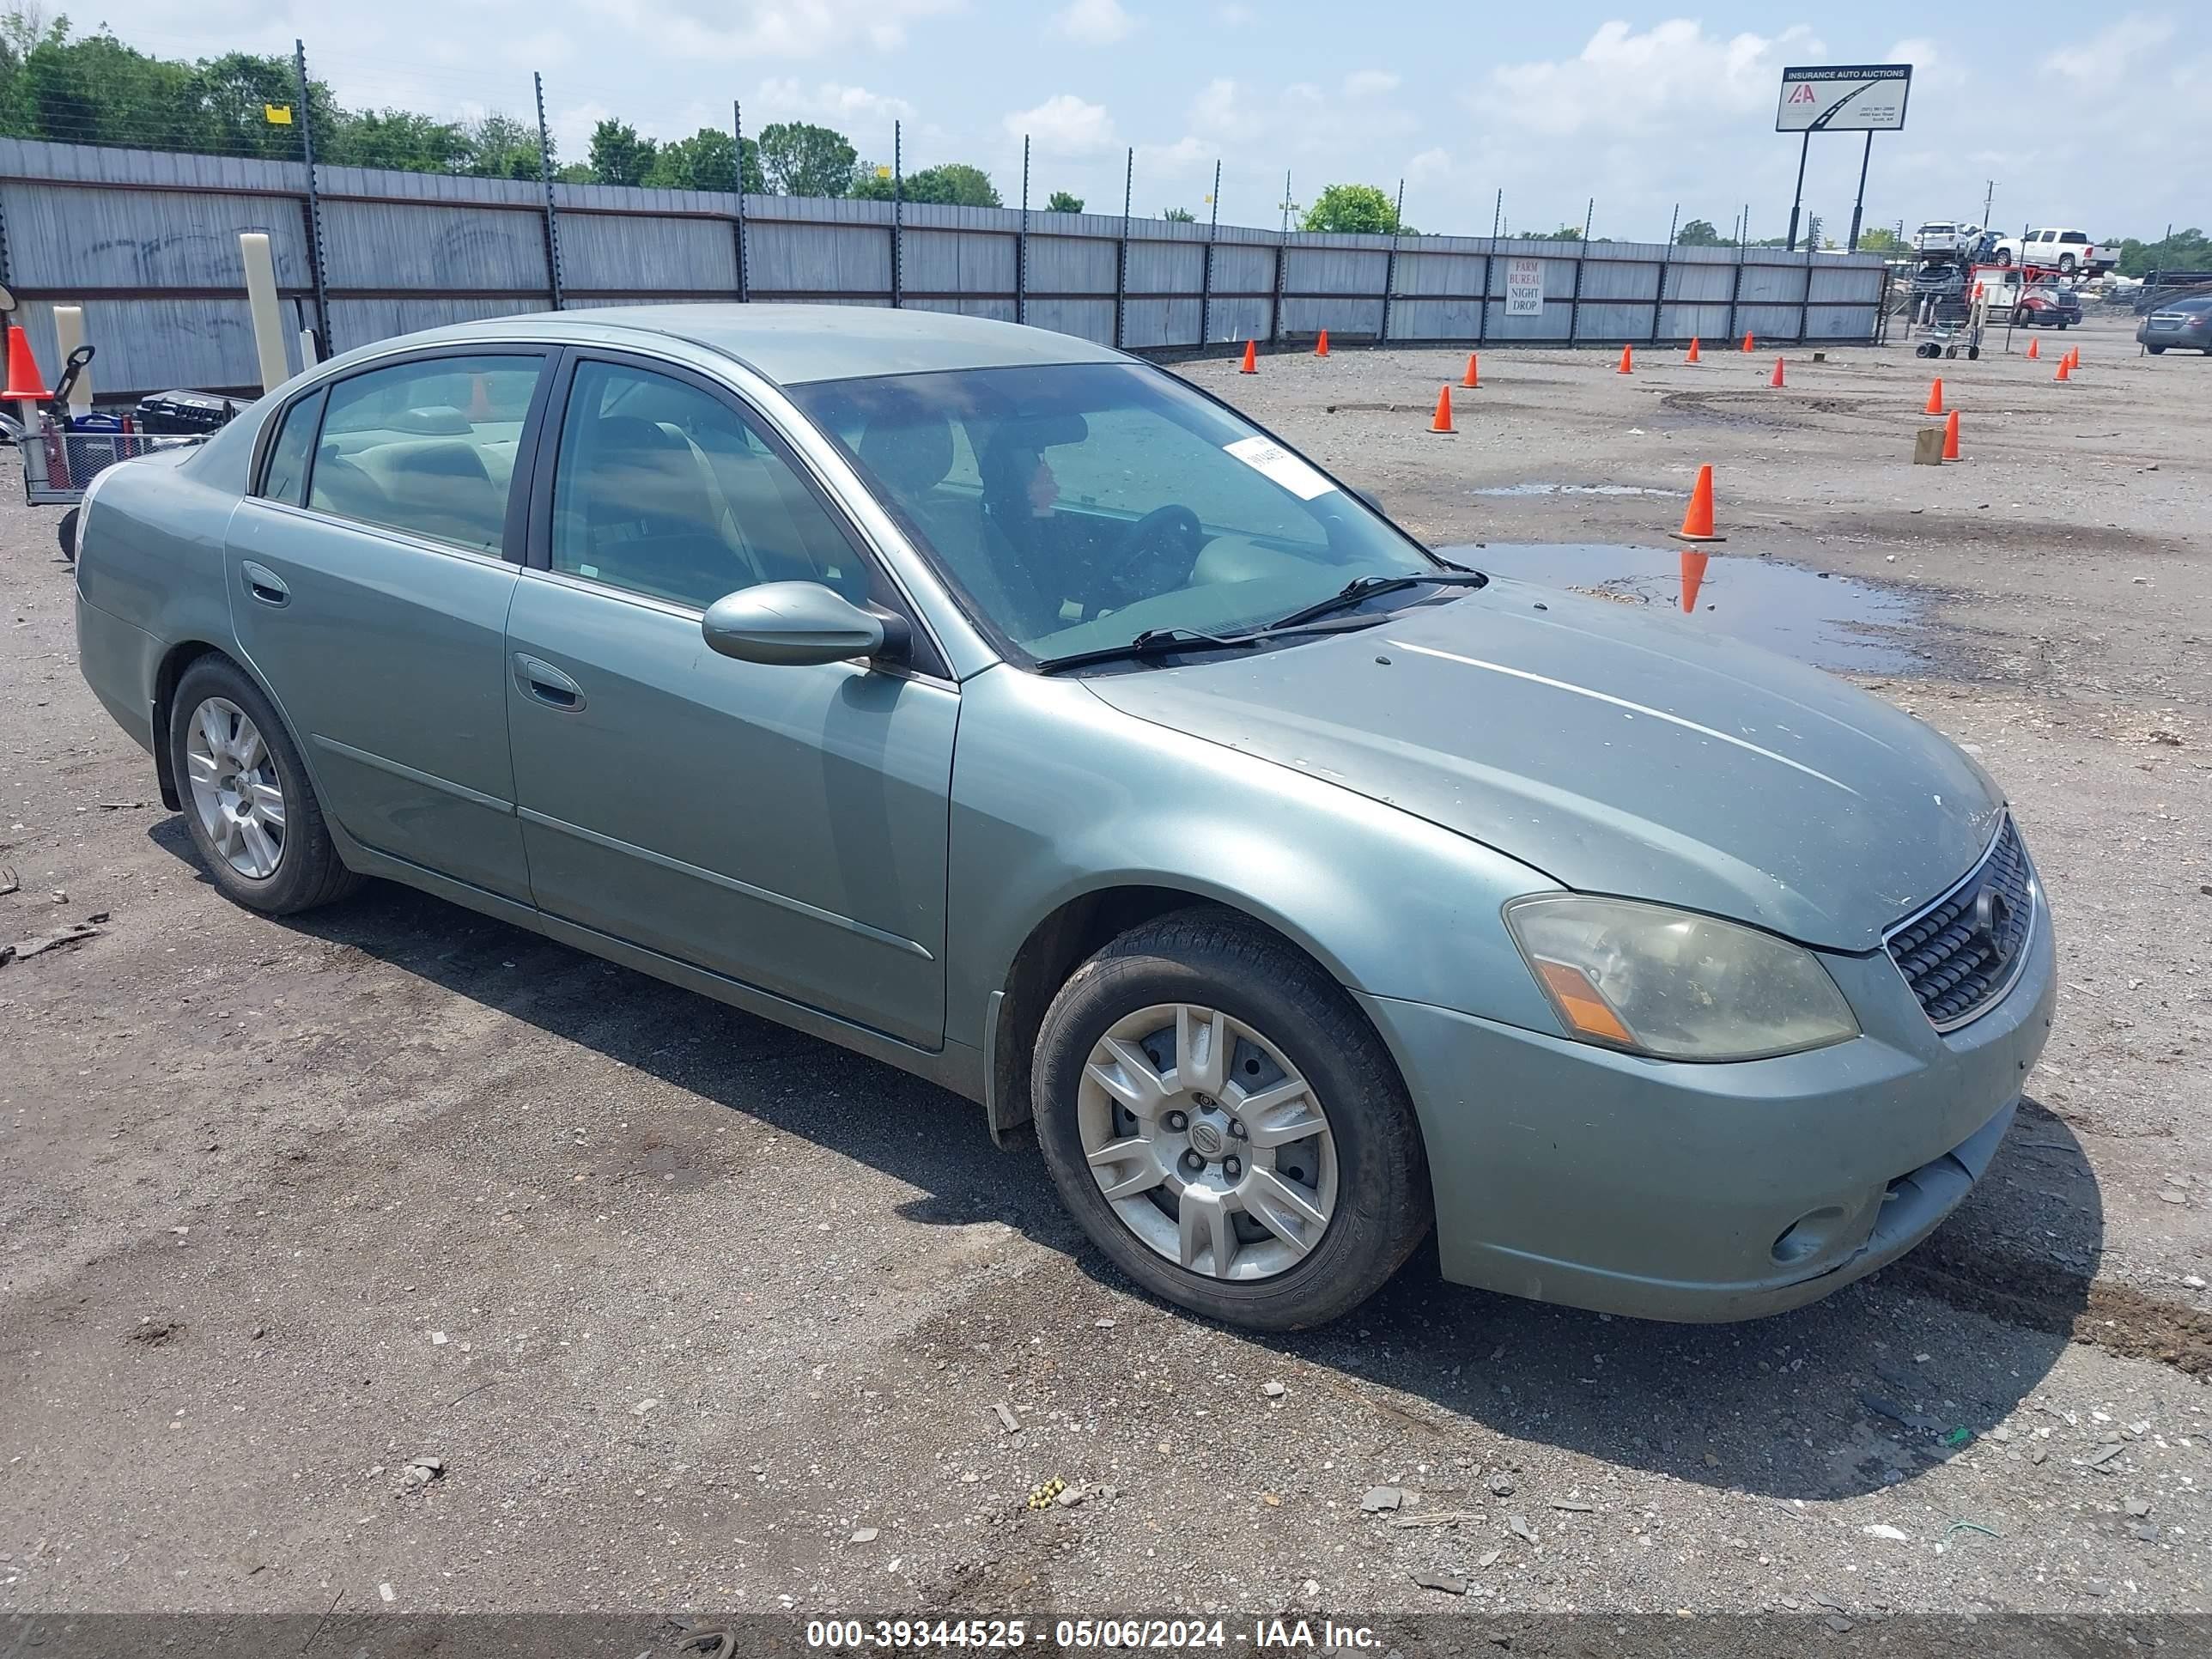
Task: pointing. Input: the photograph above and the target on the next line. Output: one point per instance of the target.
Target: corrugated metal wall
(147, 242)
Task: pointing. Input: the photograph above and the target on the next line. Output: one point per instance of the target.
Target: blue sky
(1554, 103)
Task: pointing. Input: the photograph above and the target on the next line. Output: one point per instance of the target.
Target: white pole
(261, 299)
(306, 350)
(69, 335)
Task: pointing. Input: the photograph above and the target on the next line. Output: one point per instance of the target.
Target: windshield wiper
(1152, 642)
(1364, 588)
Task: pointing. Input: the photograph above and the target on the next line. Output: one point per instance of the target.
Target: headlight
(1675, 985)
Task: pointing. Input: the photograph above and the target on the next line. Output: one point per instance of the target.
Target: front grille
(1963, 952)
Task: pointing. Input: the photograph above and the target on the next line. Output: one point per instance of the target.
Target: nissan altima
(1005, 709)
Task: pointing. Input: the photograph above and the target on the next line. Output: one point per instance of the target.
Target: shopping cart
(62, 454)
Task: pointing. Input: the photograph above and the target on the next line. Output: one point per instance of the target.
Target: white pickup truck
(2070, 252)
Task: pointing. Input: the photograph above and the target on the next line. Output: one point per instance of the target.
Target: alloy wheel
(235, 788)
(1207, 1143)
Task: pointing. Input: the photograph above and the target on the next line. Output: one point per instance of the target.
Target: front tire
(2158, 350)
(251, 813)
(1226, 1126)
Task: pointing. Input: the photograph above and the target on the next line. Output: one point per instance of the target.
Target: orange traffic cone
(1698, 521)
(1693, 577)
(1251, 360)
(1934, 396)
(1692, 356)
(1321, 346)
(2034, 350)
(479, 397)
(1442, 421)
(1776, 377)
(1473, 379)
(1747, 339)
(23, 381)
(2065, 370)
(2074, 358)
(1951, 437)
(1627, 360)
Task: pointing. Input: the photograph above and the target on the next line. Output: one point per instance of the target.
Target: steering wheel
(1156, 554)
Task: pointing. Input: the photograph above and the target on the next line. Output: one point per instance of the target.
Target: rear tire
(1202, 1001)
(2157, 350)
(251, 813)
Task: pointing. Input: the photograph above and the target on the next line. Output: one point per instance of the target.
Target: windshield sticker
(1281, 466)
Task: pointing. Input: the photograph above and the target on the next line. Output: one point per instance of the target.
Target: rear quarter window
(284, 473)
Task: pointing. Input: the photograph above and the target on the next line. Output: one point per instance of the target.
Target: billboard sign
(1524, 287)
(1843, 98)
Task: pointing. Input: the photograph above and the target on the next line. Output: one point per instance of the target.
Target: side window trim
(559, 388)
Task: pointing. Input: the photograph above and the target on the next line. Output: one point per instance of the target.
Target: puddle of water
(1577, 490)
(1830, 622)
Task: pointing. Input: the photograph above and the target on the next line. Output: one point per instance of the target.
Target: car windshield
(1077, 506)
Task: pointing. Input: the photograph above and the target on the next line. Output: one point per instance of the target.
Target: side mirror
(799, 622)
(1372, 502)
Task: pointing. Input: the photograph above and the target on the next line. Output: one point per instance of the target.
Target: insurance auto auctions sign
(1843, 98)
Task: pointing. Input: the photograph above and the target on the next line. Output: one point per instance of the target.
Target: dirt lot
(700, 1314)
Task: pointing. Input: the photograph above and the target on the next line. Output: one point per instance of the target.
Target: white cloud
(769, 28)
(1094, 23)
(1235, 16)
(1224, 110)
(1673, 75)
(1933, 69)
(1065, 125)
(2102, 62)
(1369, 83)
(1434, 159)
(829, 101)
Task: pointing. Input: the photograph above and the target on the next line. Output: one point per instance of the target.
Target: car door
(369, 579)
(783, 826)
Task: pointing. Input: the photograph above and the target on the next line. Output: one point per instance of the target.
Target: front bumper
(1568, 1173)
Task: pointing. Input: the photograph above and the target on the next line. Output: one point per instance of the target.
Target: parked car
(1007, 709)
(1945, 236)
(2186, 323)
(2066, 250)
(2047, 304)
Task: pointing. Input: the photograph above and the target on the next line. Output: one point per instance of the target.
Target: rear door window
(427, 447)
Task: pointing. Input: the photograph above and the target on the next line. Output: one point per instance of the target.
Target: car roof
(793, 345)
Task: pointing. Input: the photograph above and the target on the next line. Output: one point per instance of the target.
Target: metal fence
(147, 242)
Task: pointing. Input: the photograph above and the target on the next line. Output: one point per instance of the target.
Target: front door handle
(265, 584)
(547, 684)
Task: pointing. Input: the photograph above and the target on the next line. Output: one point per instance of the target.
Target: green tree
(708, 159)
(2181, 249)
(870, 182)
(800, 158)
(1353, 208)
(396, 139)
(1879, 240)
(1061, 202)
(1180, 216)
(500, 147)
(1699, 233)
(619, 157)
(954, 183)
(1563, 233)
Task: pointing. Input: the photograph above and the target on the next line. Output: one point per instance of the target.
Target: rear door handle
(547, 684)
(265, 584)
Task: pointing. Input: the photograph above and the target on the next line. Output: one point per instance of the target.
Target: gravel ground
(695, 1313)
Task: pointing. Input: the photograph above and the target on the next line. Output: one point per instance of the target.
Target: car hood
(1616, 751)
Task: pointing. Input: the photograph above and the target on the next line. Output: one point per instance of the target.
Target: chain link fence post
(314, 203)
(545, 173)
